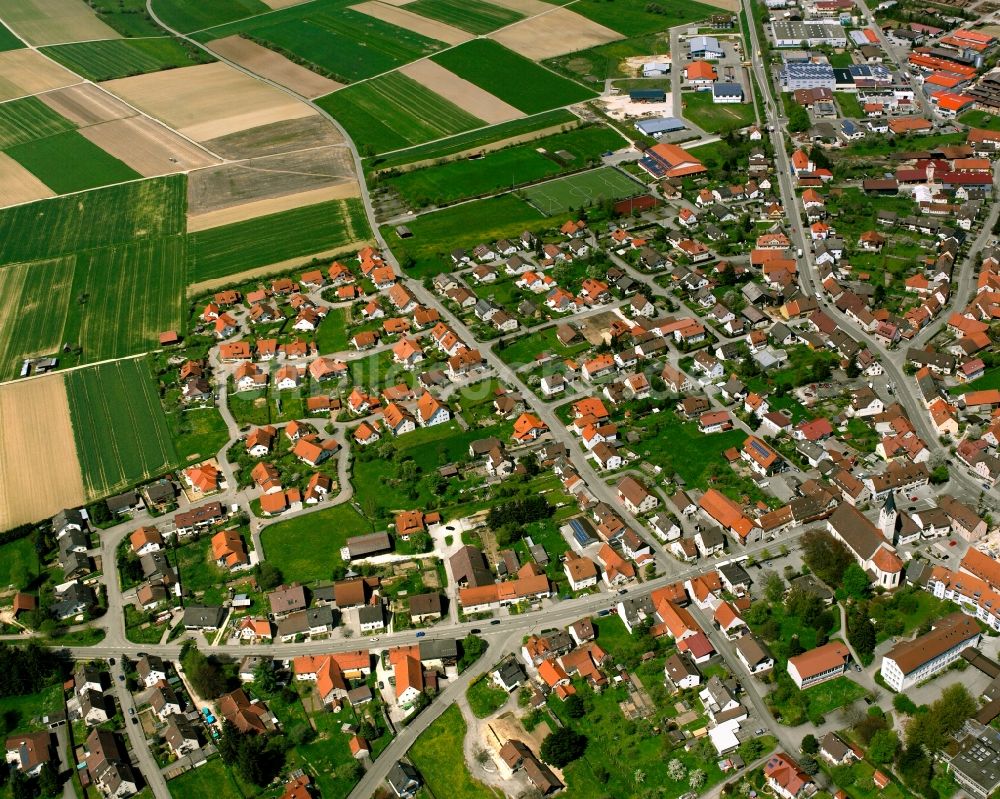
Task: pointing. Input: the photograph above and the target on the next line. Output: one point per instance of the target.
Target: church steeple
(887, 517)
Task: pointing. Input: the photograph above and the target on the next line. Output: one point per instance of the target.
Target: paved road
(140, 749)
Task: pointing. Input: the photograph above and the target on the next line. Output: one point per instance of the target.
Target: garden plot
(461, 92)
(29, 72)
(273, 66)
(403, 18)
(208, 101)
(54, 21)
(147, 146)
(554, 33)
(41, 443)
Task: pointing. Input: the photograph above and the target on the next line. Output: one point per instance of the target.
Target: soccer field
(581, 190)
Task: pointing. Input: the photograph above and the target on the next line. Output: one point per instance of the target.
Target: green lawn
(198, 572)
(582, 190)
(24, 713)
(503, 169)
(439, 756)
(198, 433)
(980, 119)
(393, 111)
(717, 117)
(121, 432)
(211, 779)
(332, 333)
(794, 707)
(473, 139)
(525, 349)
(473, 16)
(511, 77)
(295, 546)
(856, 781)
(989, 380)
(849, 105)
(485, 698)
(436, 234)
(68, 162)
(18, 563)
(106, 59)
(636, 17)
(231, 249)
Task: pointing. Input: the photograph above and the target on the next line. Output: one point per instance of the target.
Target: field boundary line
(79, 366)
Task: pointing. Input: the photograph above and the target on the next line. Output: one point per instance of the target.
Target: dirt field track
(148, 147)
(29, 72)
(39, 471)
(269, 178)
(19, 185)
(273, 205)
(86, 104)
(273, 66)
(413, 22)
(461, 92)
(54, 21)
(553, 34)
(208, 100)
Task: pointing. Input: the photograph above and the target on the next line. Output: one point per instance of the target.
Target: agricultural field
(41, 22)
(190, 15)
(503, 169)
(292, 546)
(120, 430)
(717, 117)
(477, 139)
(473, 16)
(332, 39)
(394, 111)
(146, 209)
(582, 190)
(119, 58)
(67, 162)
(28, 119)
(128, 17)
(8, 41)
(435, 235)
(636, 17)
(266, 240)
(511, 77)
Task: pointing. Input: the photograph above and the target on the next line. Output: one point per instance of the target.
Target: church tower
(887, 518)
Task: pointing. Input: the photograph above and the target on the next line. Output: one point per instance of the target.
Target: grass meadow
(393, 111)
(511, 77)
(717, 117)
(473, 16)
(636, 17)
(191, 15)
(332, 39)
(597, 64)
(231, 249)
(67, 162)
(439, 756)
(120, 430)
(473, 139)
(503, 169)
(435, 235)
(106, 59)
(581, 190)
(306, 548)
(29, 119)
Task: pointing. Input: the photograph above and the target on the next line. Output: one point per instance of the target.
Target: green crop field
(232, 249)
(47, 228)
(87, 283)
(473, 16)
(393, 111)
(128, 17)
(505, 168)
(336, 41)
(636, 17)
(582, 190)
(28, 119)
(436, 234)
(474, 139)
(513, 78)
(8, 41)
(120, 430)
(106, 59)
(68, 162)
(189, 15)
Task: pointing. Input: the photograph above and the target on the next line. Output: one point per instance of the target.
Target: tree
(49, 783)
(204, 673)
(751, 749)
(676, 770)
(903, 704)
(809, 744)
(268, 576)
(696, 779)
(883, 746)
(855, 581)
(774, 587)
(826, 556)
(472, 649)
(574, 706)
(861, 632)
(264, 679)
(562, 747)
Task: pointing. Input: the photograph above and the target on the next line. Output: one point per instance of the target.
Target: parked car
(475, 631)
(495, 621)
(421, 634)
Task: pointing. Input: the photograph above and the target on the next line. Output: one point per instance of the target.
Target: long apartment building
(911, 662)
